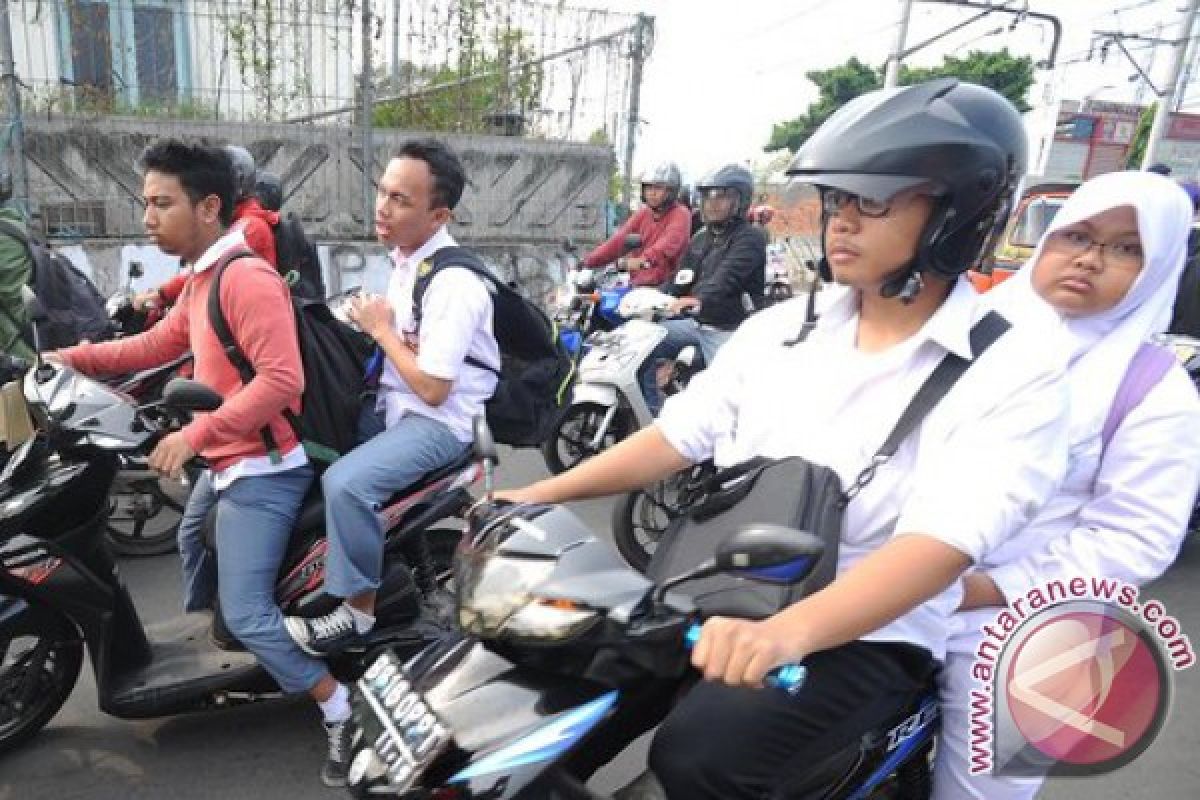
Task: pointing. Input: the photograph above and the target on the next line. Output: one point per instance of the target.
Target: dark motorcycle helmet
(730, 176)
(666, 174)
(243, 170)
(268, 188)
(965, 141)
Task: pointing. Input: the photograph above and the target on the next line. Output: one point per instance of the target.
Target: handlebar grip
(789, 678)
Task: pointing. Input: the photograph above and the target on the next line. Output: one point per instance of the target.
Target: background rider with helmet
(664, 225)
(720, 278)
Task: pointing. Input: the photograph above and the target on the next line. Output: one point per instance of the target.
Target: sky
(721, 73)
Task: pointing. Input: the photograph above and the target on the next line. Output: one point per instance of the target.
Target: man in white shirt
(441, 368)
(911, 181)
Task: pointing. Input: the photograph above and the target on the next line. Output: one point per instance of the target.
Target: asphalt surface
(274, 750)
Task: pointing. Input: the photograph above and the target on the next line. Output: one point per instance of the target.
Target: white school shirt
(456, 322)
(975, 471)
(1124, 517)
(252, 465)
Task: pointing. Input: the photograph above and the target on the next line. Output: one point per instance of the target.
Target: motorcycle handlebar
(789, 678)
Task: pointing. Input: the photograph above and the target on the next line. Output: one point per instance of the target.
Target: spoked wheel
(641, 517)
(144, 515)
(40, 656)
(573, 441)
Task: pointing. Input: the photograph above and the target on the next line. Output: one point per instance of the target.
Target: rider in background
(1108, 267)
(720, 279)
(662, 222)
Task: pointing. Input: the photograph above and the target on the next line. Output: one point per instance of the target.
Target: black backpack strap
(220, 326)
(983, 335)
(462, 258)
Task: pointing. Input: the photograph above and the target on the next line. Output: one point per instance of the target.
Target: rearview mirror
(484, 444)
(770, 554)
(187, 395)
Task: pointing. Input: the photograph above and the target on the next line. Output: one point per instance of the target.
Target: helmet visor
(718, 203)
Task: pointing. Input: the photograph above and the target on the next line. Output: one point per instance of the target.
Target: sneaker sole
(304, 646)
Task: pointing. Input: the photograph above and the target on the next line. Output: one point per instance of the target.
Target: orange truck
(1035, 211)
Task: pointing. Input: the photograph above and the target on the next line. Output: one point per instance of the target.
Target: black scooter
(60, 589)
(560, 633)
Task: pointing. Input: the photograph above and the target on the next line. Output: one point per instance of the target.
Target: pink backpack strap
(1147, 367)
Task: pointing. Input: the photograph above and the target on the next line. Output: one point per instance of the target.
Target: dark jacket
(1186, 319)
(723, 268)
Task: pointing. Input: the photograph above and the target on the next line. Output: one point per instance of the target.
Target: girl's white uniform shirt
(976, 470)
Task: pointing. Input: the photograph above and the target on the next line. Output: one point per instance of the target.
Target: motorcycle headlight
(496, 599)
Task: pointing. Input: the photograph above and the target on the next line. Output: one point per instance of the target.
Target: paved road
(274, 750)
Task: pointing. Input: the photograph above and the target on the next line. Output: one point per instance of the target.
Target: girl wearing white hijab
(1109, 266)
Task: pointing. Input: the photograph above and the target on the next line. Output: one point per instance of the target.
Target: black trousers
(725, 743)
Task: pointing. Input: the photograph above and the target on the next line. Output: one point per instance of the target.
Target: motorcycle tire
(639, 519)
(143, 520)
(40, 656)
(571, 442)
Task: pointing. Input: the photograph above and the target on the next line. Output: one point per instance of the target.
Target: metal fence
(90, 79)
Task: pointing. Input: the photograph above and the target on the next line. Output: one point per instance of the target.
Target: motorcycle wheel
(143, 519)
(571, 442)
(640, 518)
(40, 657)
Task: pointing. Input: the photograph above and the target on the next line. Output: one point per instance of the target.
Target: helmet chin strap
(905, 283)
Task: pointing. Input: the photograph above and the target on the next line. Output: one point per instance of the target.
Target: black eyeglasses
(1125, 252)
(834, 200)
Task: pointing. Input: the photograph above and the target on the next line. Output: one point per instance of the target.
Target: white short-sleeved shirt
(976, 470)
(456, 322)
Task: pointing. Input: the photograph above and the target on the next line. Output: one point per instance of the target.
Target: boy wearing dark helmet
(912, 181)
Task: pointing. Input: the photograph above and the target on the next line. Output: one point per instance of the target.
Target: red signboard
(1184, 126)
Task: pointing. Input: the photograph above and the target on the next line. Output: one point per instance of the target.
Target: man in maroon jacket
(664, 225)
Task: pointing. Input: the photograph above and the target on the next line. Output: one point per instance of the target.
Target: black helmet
(966, 141)
(268, 189)
(243, 170)
(665, 174)
(730, 176)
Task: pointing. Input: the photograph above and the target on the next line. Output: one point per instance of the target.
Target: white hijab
(1102, 345)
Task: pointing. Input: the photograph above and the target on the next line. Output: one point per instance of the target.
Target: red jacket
(664, 240)
(257, 226)
(258, 307)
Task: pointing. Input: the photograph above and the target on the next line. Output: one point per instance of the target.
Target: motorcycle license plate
(401, 734)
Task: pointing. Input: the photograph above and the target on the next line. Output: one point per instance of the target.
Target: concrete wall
(521, 191)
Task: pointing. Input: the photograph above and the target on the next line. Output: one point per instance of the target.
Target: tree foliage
(1009, 75)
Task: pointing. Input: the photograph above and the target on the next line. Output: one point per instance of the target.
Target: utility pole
(892, 74)
(1167, 100)
(16, 139)
(1142, 85)
(368, 138)
(642, 31)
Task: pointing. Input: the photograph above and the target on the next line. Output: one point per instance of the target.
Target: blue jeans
(199, 570)
(681, 333)
(357, 485)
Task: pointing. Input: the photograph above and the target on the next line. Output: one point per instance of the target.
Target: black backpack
(296, 253)
(536, 370)
(75, 309)
(333, 355)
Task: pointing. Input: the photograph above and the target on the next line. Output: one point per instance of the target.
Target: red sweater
(664, 240)
(257, 305)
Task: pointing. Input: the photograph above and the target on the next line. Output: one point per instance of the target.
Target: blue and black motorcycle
(560, 632)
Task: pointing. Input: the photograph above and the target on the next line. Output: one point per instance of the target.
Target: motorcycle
(606, 402)
(60, 589)
(559, 633)
(589, 299)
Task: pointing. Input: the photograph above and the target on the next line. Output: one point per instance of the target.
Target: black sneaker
(323, 635)
(341, 745)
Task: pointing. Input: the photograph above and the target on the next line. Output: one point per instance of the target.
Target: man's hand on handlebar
(683, 305)
(632, 263)
(171, 454)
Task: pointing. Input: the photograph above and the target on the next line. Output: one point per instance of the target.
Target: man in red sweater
(256, 223)
(189, 193)
(664, 224)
